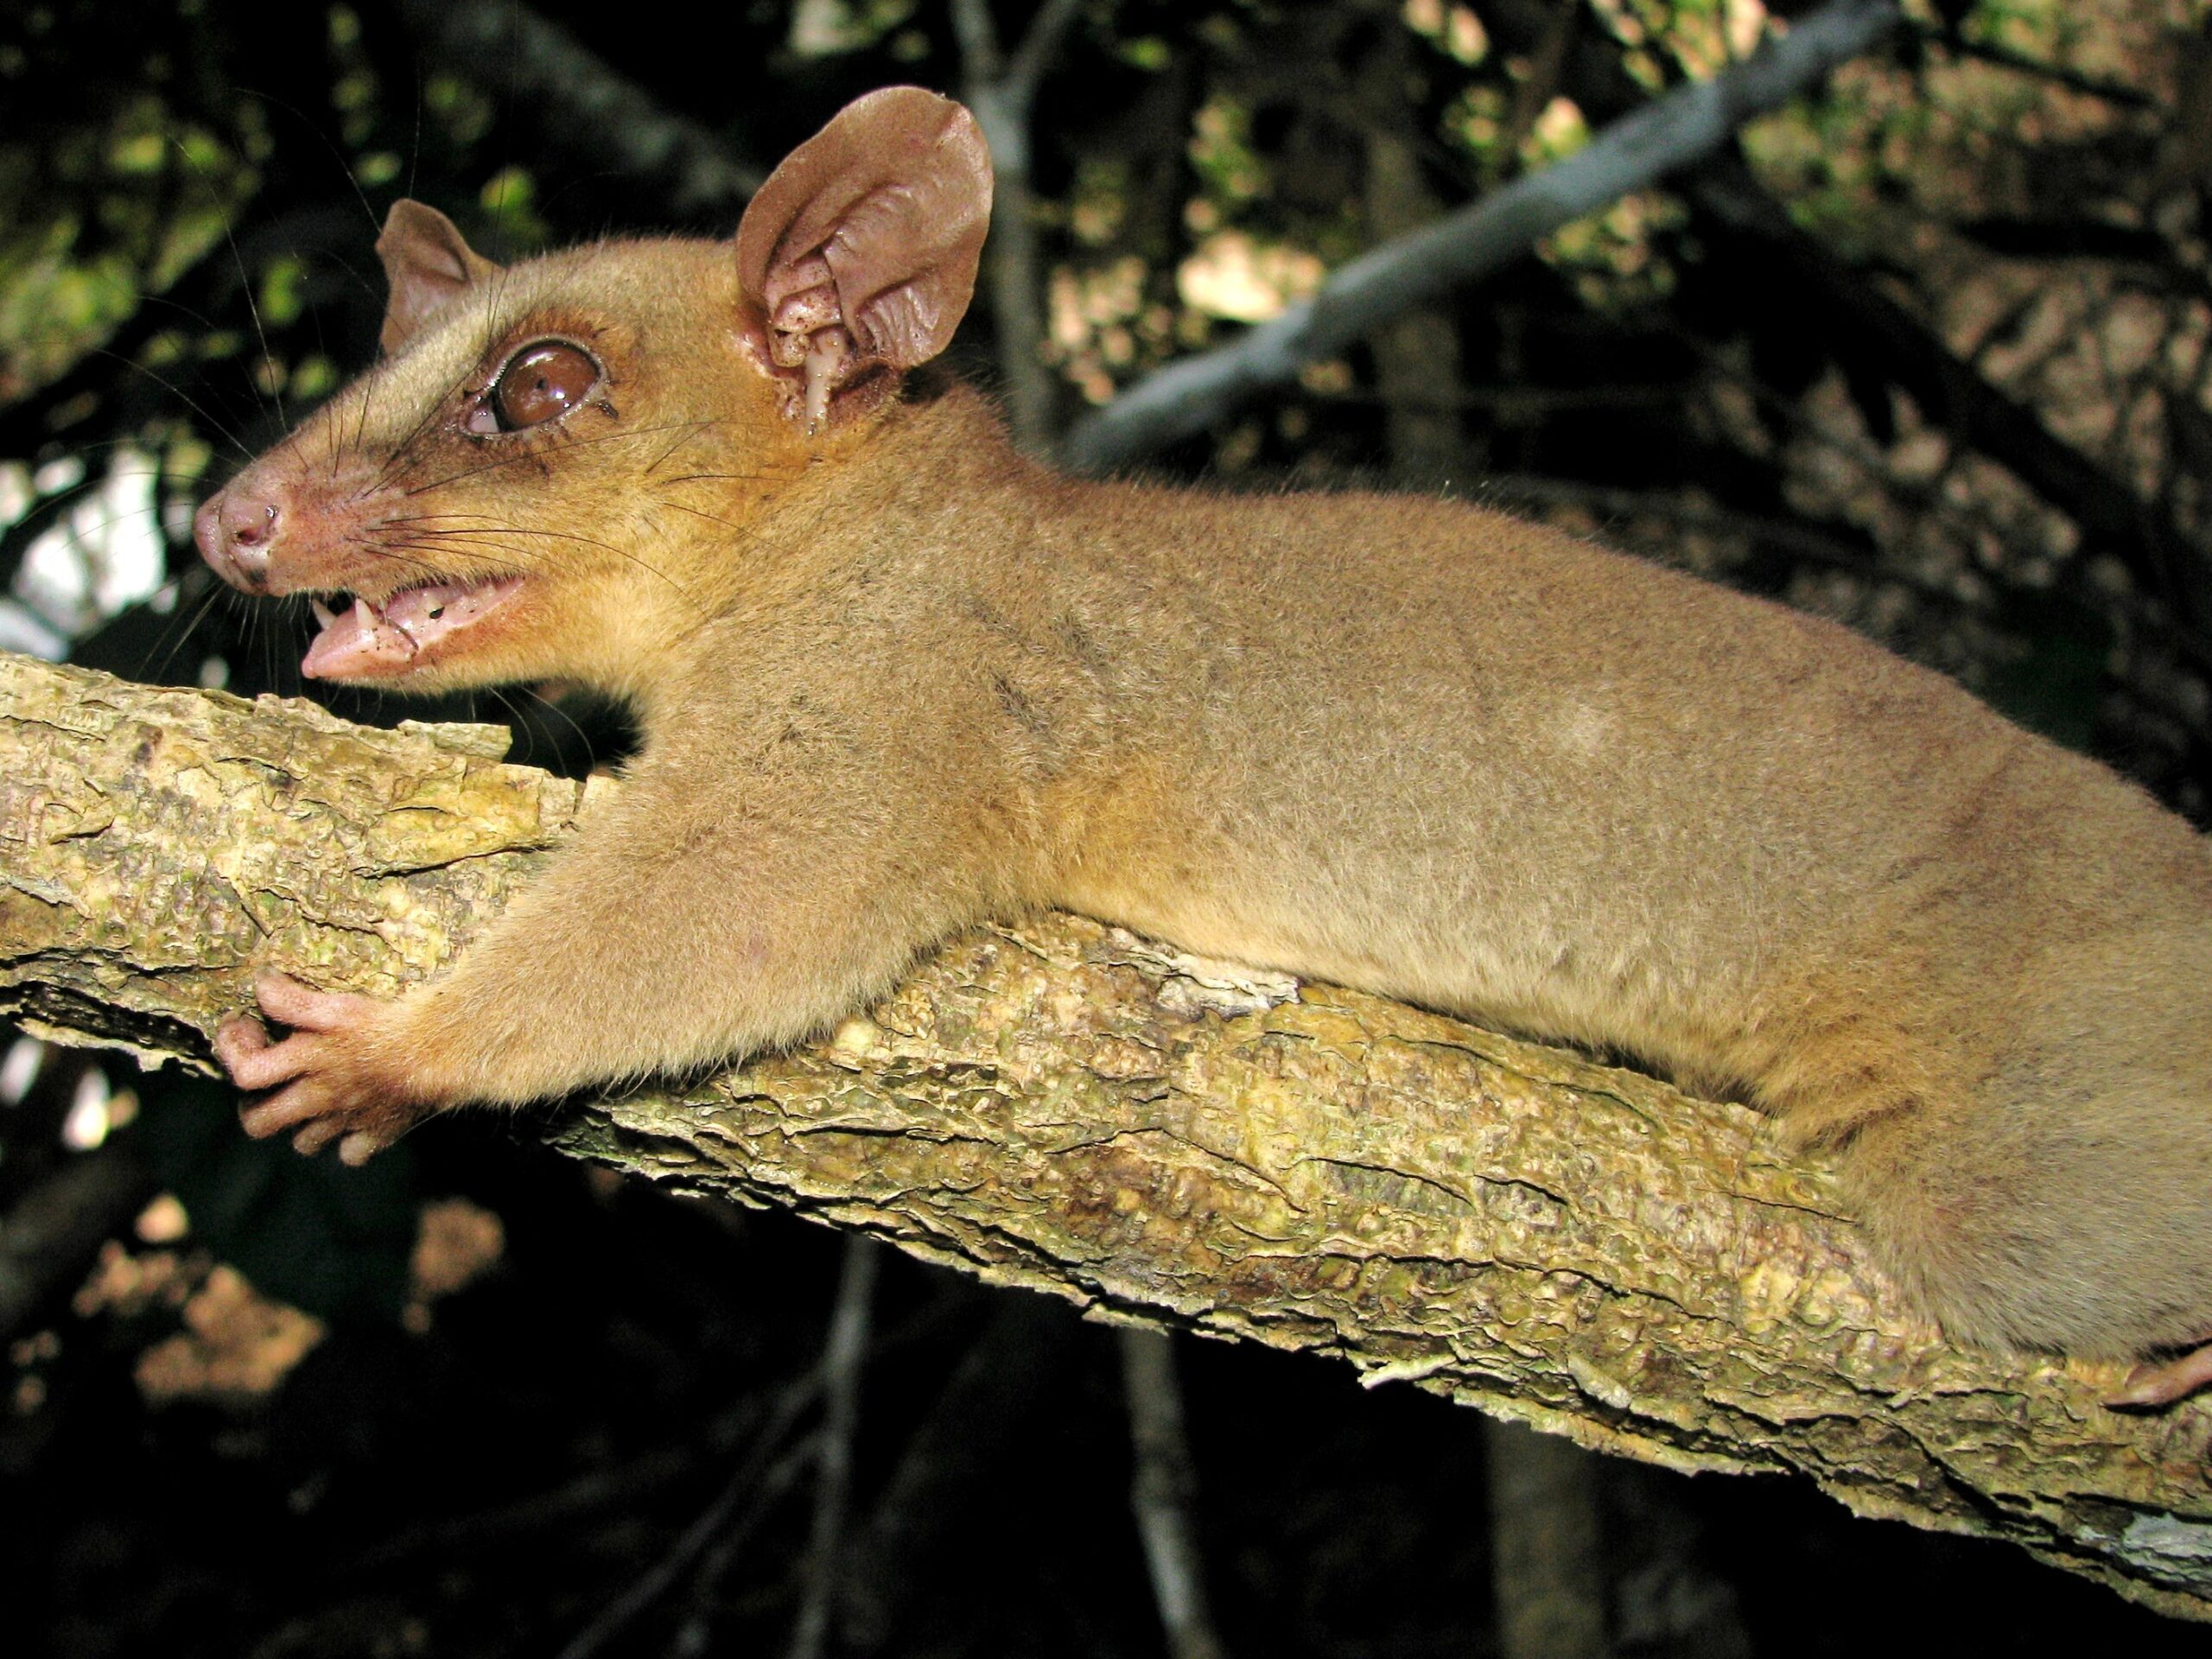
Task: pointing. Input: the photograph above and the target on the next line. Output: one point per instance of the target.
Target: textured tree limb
(1684, 125)
(1062, 1106)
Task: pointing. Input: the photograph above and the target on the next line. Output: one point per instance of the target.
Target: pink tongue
(365, 641)
(358, 642)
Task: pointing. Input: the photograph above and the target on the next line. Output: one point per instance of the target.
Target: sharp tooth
(323, 613)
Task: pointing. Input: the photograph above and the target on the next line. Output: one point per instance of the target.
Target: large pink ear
(428, 264)
(857, 258)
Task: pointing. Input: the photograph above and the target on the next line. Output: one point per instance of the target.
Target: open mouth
(368, 639)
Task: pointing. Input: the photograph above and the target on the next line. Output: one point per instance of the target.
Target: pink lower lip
(379, 641)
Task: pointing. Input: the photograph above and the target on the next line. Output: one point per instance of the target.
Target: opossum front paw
(2165, 1381)
(330, 1080)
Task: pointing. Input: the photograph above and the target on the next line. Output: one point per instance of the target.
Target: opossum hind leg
(2064, 1203)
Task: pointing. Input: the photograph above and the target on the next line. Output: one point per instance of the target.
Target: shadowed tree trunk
(1417, 354)
(1547, 1552)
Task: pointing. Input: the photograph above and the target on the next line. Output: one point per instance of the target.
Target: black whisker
(726, 478)
(534, 451)
(693, 431)
(222, 429)
(619, 551)
(177, 632)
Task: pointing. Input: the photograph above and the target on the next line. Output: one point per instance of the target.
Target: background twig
(1163, 1494)
(1677, 128)
(842, 1355)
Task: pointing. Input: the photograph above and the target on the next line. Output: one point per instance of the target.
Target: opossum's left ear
(428, 264)
(857, 258)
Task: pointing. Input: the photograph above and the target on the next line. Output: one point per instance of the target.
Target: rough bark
(1063, 1106)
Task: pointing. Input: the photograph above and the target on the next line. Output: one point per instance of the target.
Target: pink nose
(234, 529)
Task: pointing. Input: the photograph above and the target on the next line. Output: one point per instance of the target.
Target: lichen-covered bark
(1063, 1106)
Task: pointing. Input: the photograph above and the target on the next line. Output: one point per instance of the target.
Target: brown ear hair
(428, 263)
(857, 258)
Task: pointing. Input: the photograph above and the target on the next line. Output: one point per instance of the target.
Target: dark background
(1928, 353)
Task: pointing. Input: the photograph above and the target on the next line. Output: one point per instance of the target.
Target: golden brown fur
(892, 679)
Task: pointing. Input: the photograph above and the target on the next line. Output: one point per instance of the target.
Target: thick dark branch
(585, 105)
(1003, 97)
(2117, 93)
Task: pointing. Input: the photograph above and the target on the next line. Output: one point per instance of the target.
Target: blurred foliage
(2003, 210)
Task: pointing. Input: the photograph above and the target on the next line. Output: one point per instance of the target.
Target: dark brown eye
(539, 384)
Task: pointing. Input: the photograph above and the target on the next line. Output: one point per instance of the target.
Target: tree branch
(1163, 1495)
(1047, 30)
(843, 1356)
(1951, 38)
(585, 104)
(1003, 98)
(1065, 1107)
(1685, 126)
